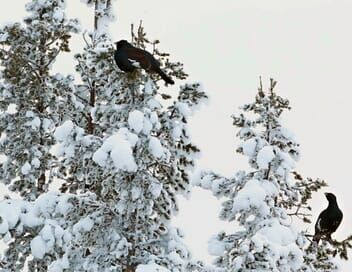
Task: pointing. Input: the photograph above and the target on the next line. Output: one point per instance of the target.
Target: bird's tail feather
(165, 77)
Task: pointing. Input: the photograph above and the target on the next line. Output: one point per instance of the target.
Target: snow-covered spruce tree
(133, 155)
(123, 157)
(32, 100)
(265, 200)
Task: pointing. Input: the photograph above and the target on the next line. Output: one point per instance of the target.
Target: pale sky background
(304, 44)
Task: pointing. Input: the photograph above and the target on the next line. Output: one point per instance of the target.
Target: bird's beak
(326, 194)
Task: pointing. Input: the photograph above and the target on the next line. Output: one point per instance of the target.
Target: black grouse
(328, 220)
(127, 56)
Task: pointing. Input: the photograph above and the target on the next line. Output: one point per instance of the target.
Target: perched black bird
(328, 220)
(127, 57)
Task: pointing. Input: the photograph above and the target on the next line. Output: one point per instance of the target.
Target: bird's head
(121, 43)
(330, 197)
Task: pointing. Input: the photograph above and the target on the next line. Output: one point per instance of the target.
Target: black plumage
(127, 56)
(328, 220)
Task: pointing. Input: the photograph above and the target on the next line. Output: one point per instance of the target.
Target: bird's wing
(139, 56)
(317, 225)
(123, 62)
(321, 224)
(336, 223)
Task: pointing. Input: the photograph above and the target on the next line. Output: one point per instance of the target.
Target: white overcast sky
(306, 45)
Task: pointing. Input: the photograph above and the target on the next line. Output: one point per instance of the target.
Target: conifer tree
(123, 153)
(265, 200)
(33, 100)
